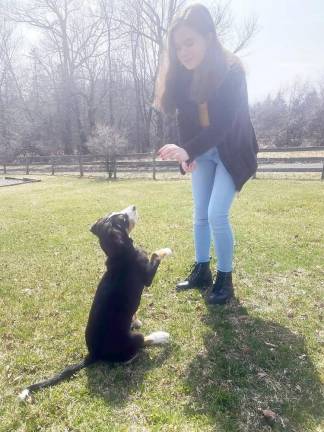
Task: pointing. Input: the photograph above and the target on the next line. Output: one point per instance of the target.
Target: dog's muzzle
(132, 214)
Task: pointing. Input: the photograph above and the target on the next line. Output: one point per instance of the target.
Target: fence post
(27, 165)
(107, 165)
(4, 168)
(154, 166)
(53, 167)
(114, 165)
(322, 178)
(80, 164)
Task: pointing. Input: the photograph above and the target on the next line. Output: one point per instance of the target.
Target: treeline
(293, 117)
(83, 82)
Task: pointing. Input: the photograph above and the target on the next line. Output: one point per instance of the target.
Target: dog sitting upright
(109, 336)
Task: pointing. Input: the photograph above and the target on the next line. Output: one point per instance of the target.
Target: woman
(205, 86)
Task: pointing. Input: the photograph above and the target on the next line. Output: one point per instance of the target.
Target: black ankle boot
(222, 290)
(200, 277)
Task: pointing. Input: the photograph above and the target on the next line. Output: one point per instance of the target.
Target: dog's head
(113, 230)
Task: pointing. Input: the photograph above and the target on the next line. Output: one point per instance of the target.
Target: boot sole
(200, 288)
(221, 303)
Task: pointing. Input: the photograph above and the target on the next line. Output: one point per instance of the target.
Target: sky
(289, 45)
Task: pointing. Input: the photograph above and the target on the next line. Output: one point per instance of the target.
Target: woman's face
(190, 47)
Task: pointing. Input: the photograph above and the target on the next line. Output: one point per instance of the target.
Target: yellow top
(203, 114)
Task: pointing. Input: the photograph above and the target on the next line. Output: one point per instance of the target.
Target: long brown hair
(206, 77)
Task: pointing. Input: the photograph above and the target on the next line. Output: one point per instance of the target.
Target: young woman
(205, 86)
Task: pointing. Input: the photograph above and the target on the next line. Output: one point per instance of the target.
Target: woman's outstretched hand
(173, 152)
(188, 168)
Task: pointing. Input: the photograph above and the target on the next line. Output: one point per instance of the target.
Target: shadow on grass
(116, 382)
(249, 365)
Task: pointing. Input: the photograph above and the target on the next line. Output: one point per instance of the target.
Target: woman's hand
(173, 152)
(188, 168)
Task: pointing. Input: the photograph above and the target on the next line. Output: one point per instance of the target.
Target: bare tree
(14, 112)
(146, 22)
(71, 36)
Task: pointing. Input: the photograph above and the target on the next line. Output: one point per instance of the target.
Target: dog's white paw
(24, 395)
(157, 337)
(164, 252)
(167, 251)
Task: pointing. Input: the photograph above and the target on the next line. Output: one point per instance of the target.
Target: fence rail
(146, 163)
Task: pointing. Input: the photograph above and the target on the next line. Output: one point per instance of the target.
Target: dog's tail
(67, 373)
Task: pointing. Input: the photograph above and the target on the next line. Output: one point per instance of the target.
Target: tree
(69, 38)
(14, 114)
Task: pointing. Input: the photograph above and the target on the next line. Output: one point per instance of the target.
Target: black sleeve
(226, 104)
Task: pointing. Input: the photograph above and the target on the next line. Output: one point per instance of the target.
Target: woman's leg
(202, 186)
(220, 202)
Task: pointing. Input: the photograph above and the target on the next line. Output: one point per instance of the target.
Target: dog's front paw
(164, 252)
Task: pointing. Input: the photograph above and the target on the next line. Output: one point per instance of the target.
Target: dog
(109, 332)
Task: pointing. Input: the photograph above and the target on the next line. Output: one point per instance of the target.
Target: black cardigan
(230, 128)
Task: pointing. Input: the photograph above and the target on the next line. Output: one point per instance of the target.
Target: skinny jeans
(213, 192)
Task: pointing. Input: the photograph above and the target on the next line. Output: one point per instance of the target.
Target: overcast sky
(289, 45)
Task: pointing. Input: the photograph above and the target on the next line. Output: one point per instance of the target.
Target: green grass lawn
(224, 365)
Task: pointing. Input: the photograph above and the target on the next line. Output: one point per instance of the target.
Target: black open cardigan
(230, 128)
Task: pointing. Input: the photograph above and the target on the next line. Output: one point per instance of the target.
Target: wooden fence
(293, 164)
(269, 160)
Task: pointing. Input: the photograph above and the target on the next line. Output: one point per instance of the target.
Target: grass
(224, 365)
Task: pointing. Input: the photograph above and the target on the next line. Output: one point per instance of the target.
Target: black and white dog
(109, 333)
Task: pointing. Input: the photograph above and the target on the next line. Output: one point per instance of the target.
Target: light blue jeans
(213, 193)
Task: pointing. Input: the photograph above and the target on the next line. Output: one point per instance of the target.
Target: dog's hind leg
(129, 347)
(157, 338)
(131, 359)
(136, 323)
